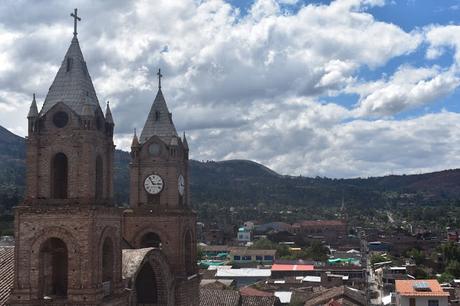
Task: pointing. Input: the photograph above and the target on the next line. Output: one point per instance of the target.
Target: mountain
(247, 183)
(12, 168)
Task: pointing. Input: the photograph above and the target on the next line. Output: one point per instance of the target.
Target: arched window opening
(59, 176)
(99, 177)
(54, 268)
(107, 260)
(150, 240)
(146, 286)
(188, 247)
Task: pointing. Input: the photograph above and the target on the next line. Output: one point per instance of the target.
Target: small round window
(60, 119)
(154, 149)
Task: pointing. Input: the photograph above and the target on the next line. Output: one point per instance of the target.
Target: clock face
(181, 185)
(153, 184)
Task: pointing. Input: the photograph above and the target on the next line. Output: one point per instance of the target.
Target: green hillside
(243, 183)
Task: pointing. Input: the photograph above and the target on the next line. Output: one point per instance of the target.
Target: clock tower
(160, 214)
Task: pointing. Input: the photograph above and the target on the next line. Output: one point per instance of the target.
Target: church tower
(67, 229)
(160, 215)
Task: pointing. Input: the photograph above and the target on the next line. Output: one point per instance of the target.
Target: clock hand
(151, 180)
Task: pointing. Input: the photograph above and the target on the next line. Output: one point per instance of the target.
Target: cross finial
(75, 18)
(159, 78)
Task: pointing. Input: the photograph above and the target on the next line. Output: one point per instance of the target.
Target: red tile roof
(322, 223)
(6, 272)
(280, 267)
(406, 288)
(249, 291)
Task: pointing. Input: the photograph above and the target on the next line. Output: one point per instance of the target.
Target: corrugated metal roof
(281, 267)
(284, 296)
(244, 272)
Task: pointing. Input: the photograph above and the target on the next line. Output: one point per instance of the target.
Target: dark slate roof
(213, 297)
(159, 121)
(33, 111)
(6, 272)
(259, 301)
(72, 84)
(108, 114)
(336, 293)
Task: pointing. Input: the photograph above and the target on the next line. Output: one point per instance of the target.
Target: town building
(247, 256)
(420, 292)
(244, 236)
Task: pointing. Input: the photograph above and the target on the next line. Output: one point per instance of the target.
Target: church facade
(73, 245)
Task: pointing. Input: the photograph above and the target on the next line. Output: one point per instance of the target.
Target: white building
(418, 292)
(243, 236)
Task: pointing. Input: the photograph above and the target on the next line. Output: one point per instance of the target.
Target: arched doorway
(107, 260)
(150, 240)
(146, 286)
(189, 254)
(99, 178)
(53, 268)
(59, 176)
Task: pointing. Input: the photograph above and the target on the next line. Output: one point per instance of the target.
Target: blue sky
(340, 88)
(410, 15)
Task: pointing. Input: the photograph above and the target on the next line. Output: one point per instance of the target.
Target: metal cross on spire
(159, 78)
(75, 18)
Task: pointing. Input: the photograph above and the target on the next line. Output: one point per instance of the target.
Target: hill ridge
(240, 182)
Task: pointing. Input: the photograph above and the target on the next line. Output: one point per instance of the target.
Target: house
(244, 236)
(272, 226)
(248, 256)
(322, 228)
(244, 276)
(420, 292)
(337, 296)
(453, 236)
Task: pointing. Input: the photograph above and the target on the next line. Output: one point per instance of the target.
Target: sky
(344, 88)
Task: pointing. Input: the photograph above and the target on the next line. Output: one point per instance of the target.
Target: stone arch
(154, 264)
(72, 170)
(150, 240)
(73, 262)
(108, 260)
(59, 176)
(189, 252)
(110, 233)
(53, 265)
(162, 235)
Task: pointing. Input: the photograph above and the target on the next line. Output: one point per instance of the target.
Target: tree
(417, 255)
(199, 252)
(445, 278)
(453, 268)
(375, 258)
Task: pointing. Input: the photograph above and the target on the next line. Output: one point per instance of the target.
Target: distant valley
(241, 183)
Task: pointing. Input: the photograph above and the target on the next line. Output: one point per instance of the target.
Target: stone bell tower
(67, 230)
(160, 215)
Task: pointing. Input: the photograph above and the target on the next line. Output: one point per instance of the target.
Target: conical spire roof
(33, 111)
(185, 142)
(72, 84)
(159, 121)
(135, 142)
(108, 114)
